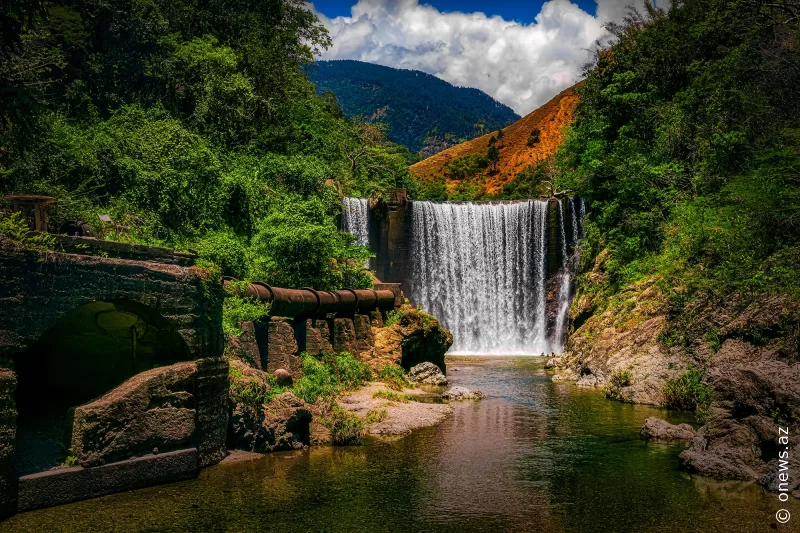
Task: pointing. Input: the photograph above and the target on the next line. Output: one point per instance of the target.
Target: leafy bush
(226, 249)
(297, 244)
(16, 229)
(318, 380)
(237, 309)
(394, 377)
(350, 372)
(393, 317)
(617, 381)
(327, 377)
(688, 392)
(346, 428)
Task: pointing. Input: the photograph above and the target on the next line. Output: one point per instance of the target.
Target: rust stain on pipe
(307, 301)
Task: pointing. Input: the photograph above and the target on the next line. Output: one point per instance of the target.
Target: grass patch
(376, 415)
(392, 318)
(688, 392)
(392, 396)
(330, 375)
(346, 428)
(394, 377)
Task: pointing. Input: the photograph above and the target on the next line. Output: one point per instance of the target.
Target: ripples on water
(534, 456)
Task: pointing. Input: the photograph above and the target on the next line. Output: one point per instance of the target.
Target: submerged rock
(427, 373)
(462, 393)
(661, 430)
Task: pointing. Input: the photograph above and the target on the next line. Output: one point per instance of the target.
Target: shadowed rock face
(756, 391)
(752, 368)
(415, 338)
(154, 410)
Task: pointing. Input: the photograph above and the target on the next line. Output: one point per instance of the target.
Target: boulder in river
(428, 374)
(462, 393)
(661, 430)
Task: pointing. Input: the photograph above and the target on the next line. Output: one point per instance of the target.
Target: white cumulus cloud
(520, 65)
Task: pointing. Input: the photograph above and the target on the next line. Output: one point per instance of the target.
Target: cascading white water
(573, 211)
(355, 219)
(564, 296)
(481, 269)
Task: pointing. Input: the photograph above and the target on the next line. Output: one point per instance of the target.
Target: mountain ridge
(424, 113)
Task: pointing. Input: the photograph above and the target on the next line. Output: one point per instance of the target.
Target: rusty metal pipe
(307, 301)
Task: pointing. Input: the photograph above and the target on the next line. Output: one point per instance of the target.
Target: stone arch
(85, 353)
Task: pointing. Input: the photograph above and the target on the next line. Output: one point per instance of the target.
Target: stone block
(8, 433)
(152, 410)
(212, 410)
(282, 348)
(318, 336)
(66, 485)
(376, 319)
(344, 335)
(364, 345)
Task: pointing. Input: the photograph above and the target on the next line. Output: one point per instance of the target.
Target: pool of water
(533, 456)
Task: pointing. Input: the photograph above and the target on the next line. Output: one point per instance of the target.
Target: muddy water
(534, 456)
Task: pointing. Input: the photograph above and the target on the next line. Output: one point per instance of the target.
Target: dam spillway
(497, 274)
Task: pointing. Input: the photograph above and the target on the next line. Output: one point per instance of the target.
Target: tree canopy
(193, 125)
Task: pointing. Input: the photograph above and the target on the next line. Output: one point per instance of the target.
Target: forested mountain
(422, 112)
(191, 125)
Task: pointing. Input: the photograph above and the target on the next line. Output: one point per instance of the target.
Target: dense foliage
(192, 125)
(423, 113)
(687, 147)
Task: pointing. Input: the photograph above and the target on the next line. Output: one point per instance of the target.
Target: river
(533, 456)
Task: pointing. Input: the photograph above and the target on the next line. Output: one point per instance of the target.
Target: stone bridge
(77, 323)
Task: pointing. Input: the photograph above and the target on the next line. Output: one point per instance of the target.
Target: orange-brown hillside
(515, 154)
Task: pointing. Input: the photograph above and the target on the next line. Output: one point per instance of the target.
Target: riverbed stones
(427, 373)
(458, 393)
(154, 409)
(657, 429)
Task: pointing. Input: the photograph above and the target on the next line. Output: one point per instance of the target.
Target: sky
(520, 52)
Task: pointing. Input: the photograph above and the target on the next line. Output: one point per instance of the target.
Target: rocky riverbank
(735, 361)
(267, 412)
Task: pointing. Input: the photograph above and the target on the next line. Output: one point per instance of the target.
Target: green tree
(493, 156)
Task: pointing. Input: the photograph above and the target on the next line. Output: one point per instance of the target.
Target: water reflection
(534, 456)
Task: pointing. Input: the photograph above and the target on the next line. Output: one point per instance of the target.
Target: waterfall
(481, 269)
(564, 296)
(355, 219)
(574, 207)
